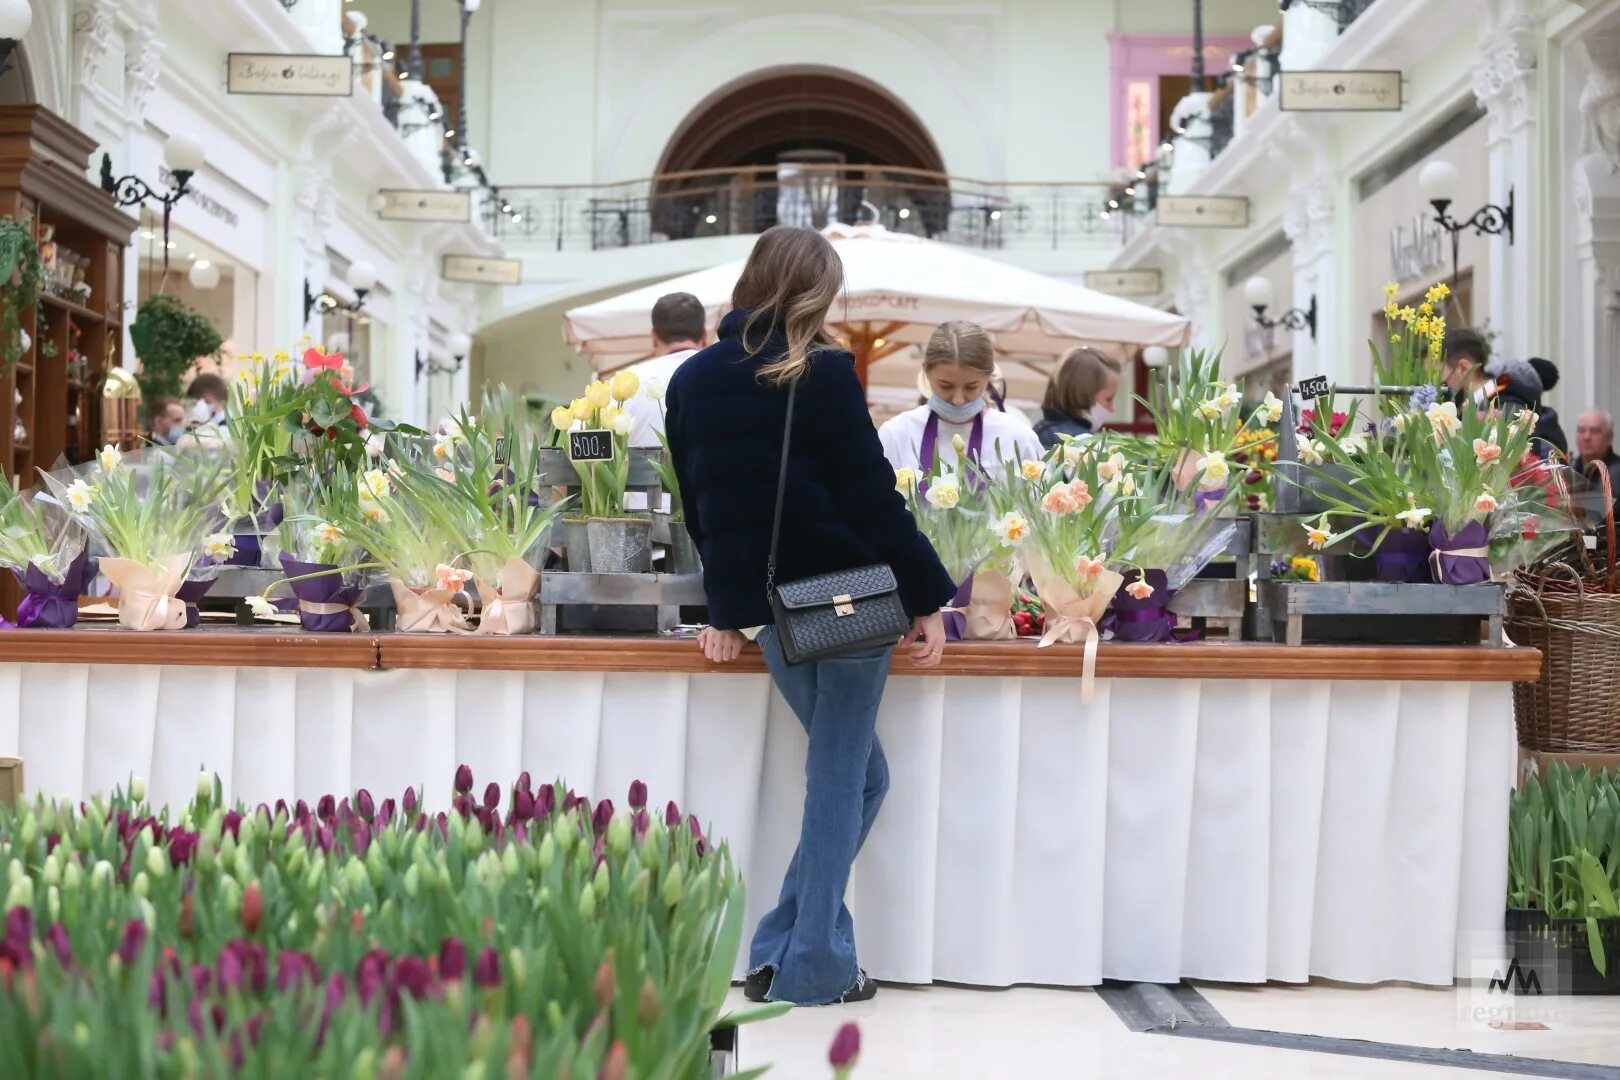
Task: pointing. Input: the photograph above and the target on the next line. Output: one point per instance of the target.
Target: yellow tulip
(599, 394)
(562, 418)
(625, 385)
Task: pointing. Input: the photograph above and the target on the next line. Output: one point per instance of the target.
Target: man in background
(679, 329)
(168, 419)
(1467, 352)
(1594, 444)
(208, 395)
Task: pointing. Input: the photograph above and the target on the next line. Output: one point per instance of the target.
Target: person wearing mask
(959, 364)
(840, 510)
(207, 395)
(1594, 445)
(1080, 397)
(168, 421)
(1549, 429)
(678, 331)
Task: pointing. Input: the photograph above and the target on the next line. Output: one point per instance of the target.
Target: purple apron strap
(930, 446)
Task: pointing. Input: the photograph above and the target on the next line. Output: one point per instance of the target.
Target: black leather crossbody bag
(830, 615)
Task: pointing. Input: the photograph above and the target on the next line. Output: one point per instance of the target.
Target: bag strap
(781, 493)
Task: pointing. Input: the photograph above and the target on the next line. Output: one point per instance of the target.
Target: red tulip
(252, 906)
(617, 1065)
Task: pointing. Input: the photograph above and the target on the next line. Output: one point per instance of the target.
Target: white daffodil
(327, 534)
(1127, 486)
(1210, 410)
(1310, 452)
(1031, 470)
(109, 458)
(1271, 408)
(1524, 418)
(261, 607)
(1353, 444)
(373, 512)
(1413, 517)
(374, 445)
(1112, 468)
(220, 545)
(1012, 529)
(944, 494)
(1401, 419)
(1216, 470)
(1315, 535)
(79, 496)
(375, 484)
(1229, 397)
(1074, 452)
(443, 447)
(1443, 418)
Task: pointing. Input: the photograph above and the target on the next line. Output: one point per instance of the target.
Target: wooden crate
(11, 781)
(665, 594)
(1215, 593)
(1378, 611)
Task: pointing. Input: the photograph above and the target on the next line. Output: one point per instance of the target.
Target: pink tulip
(846, 1047)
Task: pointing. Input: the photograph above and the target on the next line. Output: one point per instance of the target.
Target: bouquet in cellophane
(1196, 413)
(142, 511)
(953, 509)
(45, 548)
(324, 567)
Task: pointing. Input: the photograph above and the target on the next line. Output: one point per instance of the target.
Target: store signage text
(1340, 91)
(290, 75)
(209, 205)
(1416, 251)
(401, 205)
(481, 271)
(1204, 211)
(1125, 282)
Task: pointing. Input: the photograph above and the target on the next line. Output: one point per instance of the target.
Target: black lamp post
(468, 9)
(1259, 292)
(362, 278)
(1438, 184)
(183, 155)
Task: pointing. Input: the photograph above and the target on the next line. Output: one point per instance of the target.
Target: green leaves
(1564, 848)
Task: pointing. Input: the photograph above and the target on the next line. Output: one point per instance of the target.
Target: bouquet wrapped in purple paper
(323, 566)
(44, 548)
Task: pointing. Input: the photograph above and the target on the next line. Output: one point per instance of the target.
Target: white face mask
(200, 413)
(1099, 415)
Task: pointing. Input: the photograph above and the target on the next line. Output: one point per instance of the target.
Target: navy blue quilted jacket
(841, 512)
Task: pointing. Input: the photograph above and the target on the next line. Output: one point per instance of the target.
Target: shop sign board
(1204, 211)
(290, 75)
(1125, 282)
(1418, 251)
(481, 271)
(430, 205)
(1340, 91)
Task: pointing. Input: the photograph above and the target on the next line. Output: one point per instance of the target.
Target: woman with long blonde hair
(728, 414)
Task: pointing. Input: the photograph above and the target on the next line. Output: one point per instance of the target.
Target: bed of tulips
(523, 934)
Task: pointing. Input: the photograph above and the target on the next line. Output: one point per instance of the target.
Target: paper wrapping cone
(428, 611)
(1188, 464)
(1072, 618)
(509, 609)
(989, 611)
(149, 600)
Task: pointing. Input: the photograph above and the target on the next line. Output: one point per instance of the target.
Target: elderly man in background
(1594, 443)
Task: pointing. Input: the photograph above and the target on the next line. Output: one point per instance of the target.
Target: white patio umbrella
(897, 289)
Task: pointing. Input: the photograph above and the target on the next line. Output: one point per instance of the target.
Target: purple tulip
(409, 801)
(201, 979)
(640, 823)
(452, 959)
(602, 816)
(413, 975)
(294, 969)
(326, 808)
(487, 969)
(464, 779)
(57, 938)
(846, 1046)
(386, 812)
(520, 832)
(697, 832)
(19, 926)
(157, 994)
(524, 783)
(182, 846)
(364, 804)
(301, 810)
(129, 948)
(281, 808)
(325, 838)
(51, 840)
(230, 970)
(345, 811)
(462, 805)
(255, 964)
(361, 835)
(263, 810)
(570, 800)
(638, 794)
(233, 824)
(421, 822)
(545, 801)
(370, 976)
(492, 796)
(522, 805)
(672, 814)
(336, 990)
(443, 822)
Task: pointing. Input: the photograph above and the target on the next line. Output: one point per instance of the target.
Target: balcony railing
(749, 200)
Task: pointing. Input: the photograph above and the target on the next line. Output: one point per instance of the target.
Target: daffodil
(1485, 452)
(260, 606)
(327, 534)
(1074, 452)
(944, 493)
(375, 484)
(450, 578)
(373, 511)
(1353, 444)
(1089, 568)
(220, 545)
(79, 496)
(1012, 529)
(1310, 452)
(1438, 292)
(1229, 397)
(1390, 289)
(1315, 535)
(1414, 516)
(444, 447)
(1271, 408)
(1400, 420)
(1031, 470)
(1216, 470)
(1525, 418)
(1485, 503)
(1210, 410)
(1392, 311)
(1139, 589)
(625, 385)
(905, 480)
(1443, 418)
(109, 458)
(1127, 486)
(1112, 468)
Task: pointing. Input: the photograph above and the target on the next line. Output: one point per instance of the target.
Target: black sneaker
(758, 984)
(863, 990)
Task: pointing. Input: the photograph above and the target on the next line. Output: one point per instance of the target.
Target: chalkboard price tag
(1314, 387)
(500, 450)
(591, 445)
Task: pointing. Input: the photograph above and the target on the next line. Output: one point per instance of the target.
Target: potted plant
(21, 278)
(45, 549)
(169, 337)
(619, 542)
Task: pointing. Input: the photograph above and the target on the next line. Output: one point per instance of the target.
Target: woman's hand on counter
(721, 646)
(928, 640)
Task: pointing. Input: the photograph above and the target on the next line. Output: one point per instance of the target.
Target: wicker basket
(1571, 614)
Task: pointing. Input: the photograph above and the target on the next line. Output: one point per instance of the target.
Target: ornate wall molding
(143, 64)
(95, 32)
(1505, 77)
(1600, 96)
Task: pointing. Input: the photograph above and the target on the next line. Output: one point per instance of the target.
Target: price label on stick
(500, 450)
(592, 445)
(1314, 387)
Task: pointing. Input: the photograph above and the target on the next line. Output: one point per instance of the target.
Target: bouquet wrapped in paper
(137, 513)
(45, 548)
(1196, 414)
(323, 565)
(953, 509)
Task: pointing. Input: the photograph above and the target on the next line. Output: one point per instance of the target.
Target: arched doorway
(801, 145)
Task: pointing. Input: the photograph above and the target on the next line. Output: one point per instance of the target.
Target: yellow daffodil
(1012, 529)
(1031, 470)
(375, 484)
(1316, 536)
(1392, 311)
(625, 385)
(944, 493)
(1438, 292)
(1443, 418)
(79, 496)
(220, 545)
(1390, 289)
(905, 480)
(1408, 314)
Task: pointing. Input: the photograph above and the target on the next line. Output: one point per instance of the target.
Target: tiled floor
(943, 1033)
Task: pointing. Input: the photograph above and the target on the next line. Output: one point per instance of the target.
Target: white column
(1192, 286)
(1307, 34)
(1591, 354)
(1506, 84)
(1309, 222)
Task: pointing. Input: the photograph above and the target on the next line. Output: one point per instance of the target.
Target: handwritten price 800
(594, 445)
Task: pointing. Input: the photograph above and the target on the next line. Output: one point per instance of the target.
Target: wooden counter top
(277, 647)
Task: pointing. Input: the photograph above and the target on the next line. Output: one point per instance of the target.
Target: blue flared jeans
(808, 939)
